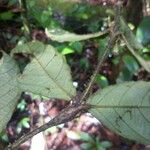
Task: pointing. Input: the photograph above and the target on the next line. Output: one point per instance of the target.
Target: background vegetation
(26, 20)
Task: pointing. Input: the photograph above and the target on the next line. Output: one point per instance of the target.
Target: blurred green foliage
(90, 142)
(130, 68)
(22, 105)
(23, 123)
(81, 19)
(8, 15)
(143, 31)
(4, 137)
(102, 80)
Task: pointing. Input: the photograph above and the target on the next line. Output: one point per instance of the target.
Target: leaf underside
(47, 74)
(9, 92)
(61, 35)
(125, 109)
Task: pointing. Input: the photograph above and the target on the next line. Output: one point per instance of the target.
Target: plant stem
(109, 47)
(111, 43)
(64, 116)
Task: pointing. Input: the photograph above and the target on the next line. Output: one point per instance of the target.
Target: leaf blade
(145, 64)
(60, 35)
(47, 74)
(9, 91)
(133, 45)
(125, 109)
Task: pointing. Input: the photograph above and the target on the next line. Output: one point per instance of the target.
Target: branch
(110, 46)
(64, 116)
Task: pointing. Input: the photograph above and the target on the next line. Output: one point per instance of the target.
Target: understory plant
(124, 108)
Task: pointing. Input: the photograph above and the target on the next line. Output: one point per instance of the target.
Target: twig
(64, 116)
(111, 43)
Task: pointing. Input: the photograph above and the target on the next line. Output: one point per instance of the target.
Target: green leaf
(86, 146)
(131, 63)
(145, 64)
(143, 31)
(124, 75)
(86, 137)
(84, 63)
(101, 80)
(47, 74)
(129, 35)
(22, 105)
(61, 35)
(25, 122)
(105, 144)
(125, 109)
(34, 48)
(133, 45)
(130, 68)
(4, 136)
(77, 46)
(9, 92)
(99, 147)
(67, 50)
(8, 15)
